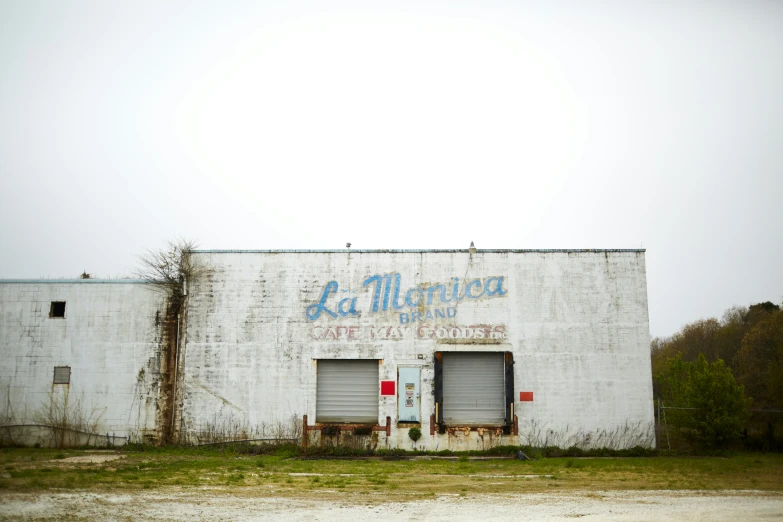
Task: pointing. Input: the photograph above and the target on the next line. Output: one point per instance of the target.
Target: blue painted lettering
(379, 281)
(376, 295)
(455, 290)
(388, 293)
(498, 286)
(314, 311)
(396, 297)
(410, 293)
(351, 309)
(431, 290)
(475, 282)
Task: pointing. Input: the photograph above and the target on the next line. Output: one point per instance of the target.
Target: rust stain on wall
(168, 369)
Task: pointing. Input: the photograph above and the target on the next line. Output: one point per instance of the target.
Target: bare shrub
(222, 427)
(227, 427)
(57, 423)
(69, 422)
(171, 268)
(12, 431)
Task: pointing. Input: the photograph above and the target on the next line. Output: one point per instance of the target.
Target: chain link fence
(763, 430)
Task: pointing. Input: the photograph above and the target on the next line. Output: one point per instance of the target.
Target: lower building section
(459, 398)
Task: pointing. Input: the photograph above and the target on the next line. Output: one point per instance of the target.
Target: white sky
(403, 125)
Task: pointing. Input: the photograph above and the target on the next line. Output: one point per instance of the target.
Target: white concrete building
(81, 354)
(475, 348)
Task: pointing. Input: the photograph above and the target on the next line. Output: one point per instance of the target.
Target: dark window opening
(57, 309)
(62, 375)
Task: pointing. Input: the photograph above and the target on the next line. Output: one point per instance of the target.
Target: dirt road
(213, 506)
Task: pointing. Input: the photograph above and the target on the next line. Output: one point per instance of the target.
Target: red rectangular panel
(387, 388)
(525, 396)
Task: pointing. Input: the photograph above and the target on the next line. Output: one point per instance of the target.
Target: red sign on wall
(387, 388)
(525, 396)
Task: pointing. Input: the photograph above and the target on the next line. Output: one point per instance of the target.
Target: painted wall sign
(386, 293)
(397, 333)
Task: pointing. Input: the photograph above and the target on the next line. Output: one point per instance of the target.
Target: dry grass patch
(223, 470)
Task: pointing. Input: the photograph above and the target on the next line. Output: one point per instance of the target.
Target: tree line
(726, 376)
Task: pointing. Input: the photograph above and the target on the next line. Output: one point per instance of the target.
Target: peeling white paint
(108, 337)
(576, 323)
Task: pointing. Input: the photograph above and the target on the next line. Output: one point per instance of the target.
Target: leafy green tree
(761, 360)
(719, 406)
(747, 339)
(760, 311)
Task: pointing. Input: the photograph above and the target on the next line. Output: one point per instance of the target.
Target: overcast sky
(265, 125)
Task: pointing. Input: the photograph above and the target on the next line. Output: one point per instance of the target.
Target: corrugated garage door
(347, 391)
(474, 389)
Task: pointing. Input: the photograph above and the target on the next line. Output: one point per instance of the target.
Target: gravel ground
(211, 506)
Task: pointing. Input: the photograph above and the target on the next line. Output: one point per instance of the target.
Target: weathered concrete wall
(110, 337)
(575, 321)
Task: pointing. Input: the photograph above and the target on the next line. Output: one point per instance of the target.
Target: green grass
(226, 468)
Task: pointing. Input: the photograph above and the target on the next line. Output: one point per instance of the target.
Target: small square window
(57, 309)
(62, 375)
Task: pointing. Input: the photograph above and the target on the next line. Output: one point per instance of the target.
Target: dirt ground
(209, 505)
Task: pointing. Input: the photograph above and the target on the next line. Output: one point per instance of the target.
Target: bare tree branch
(171, 267)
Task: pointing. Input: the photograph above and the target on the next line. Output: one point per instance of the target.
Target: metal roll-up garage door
(474, 389)
(347, 391)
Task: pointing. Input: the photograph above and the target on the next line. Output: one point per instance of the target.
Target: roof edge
(420, 251)
(76, 281)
